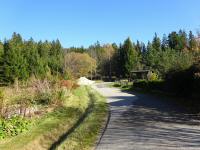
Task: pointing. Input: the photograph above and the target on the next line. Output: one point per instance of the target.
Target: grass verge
(49, 128)
(85, 136)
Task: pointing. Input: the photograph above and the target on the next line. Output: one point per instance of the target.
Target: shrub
(149, 85)
(43, 98)
(43, 93)
(152, 76)
(67, 84)
(186, 82)
(75, 86)
(60, 95)
(117, 85)
(42, 86)
(143, 84)
(1, 102)
(13, 126)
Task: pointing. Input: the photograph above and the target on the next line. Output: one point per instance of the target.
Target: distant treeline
(20, 59)
(176, 51)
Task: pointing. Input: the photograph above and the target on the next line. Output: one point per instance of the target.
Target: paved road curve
(142, 122)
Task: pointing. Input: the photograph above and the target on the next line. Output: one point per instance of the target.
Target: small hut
(140, 74)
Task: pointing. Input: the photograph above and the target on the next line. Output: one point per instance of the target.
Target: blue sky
(83, 22)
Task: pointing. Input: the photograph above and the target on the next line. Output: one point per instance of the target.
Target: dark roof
(140, 71)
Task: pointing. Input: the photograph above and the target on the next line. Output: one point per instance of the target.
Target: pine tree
(138, 47)
(192, 42)
(165, 44)
(2, 78)
(173, 39)
(178, 41)
(156, 43)
(1, 49)
(121, 61)
(56, 57)
(151, 56)
(32, 57)
(15, 64)
(182, 41)
(130, 57)
(43, 62)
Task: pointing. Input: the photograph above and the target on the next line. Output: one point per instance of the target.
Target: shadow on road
(154, 122)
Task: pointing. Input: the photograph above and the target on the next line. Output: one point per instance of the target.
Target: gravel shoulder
(144, 122)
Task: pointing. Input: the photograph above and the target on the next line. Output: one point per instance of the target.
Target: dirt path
(143, 122)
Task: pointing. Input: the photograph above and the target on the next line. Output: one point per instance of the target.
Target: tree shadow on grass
(63, 137)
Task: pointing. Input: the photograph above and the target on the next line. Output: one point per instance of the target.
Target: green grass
(50, 127)
(85, 136)
(127, 86)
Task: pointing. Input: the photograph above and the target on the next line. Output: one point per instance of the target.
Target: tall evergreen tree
(56, 57)
(165, 44)
(173, 39)
(138, 47)
(15, 64)
(32, 57)
(156, 43)
(1, 63)
(192, 42)
(178, 41)
(1, 49)
(121, 61)
(182, 40)
(151, 56)
(130, 56)
(43, 51)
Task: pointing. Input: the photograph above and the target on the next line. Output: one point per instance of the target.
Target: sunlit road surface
(144, 122)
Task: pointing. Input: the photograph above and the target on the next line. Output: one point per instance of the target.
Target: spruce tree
(156, 43)
(130, 57)
(2, 78)
(138, 47)
(32, 57)
(173, 39)
(56, 57)
(152, 56)
(192, 42)
(165, 44)
(15, 64)
(182, 40)
(43, 62)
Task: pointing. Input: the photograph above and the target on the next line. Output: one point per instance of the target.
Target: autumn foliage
(78, 64)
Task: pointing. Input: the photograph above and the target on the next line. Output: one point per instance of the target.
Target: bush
(43, 93)
(60, 95)
(117, 85)
(44, 98)
(186, 82)
(13, 126)
(143, 84)
(1, 102)
(67, 84)
(152, 76)
(149, 85)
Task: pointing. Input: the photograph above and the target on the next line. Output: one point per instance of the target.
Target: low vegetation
(84, 137)
(54, 118)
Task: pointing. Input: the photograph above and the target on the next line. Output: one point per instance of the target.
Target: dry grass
(49, 128)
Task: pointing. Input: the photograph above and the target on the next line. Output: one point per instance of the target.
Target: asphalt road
(144, 122)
